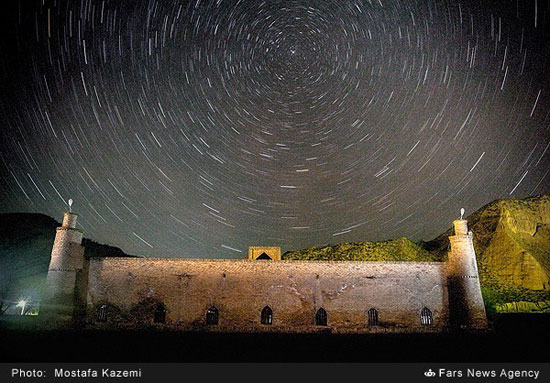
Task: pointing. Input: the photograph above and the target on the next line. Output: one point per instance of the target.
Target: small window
(102, 313)
(160, 314)
(212, 316)
(267, 315)
(426, 317)
(321, 317)
(373, 317)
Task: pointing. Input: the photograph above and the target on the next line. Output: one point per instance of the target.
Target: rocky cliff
(512, 243)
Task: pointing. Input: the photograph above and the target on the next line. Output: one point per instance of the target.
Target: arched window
(212, 316)
(160, 314)
(426, 317)
(267, 315)
(102, 313)
(321, 317)
(372, 317)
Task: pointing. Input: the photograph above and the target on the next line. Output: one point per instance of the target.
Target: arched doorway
(267, 315)
(101, 315)
(321, 317)
(160, 314)
(426, 317)
(372, 317)
(212, 315)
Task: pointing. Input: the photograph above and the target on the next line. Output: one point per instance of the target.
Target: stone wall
(64, 274)
(133, 287)
(466, 306)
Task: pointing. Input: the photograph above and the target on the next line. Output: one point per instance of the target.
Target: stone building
(263, 292)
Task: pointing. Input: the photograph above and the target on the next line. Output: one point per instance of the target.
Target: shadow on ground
(514, 338)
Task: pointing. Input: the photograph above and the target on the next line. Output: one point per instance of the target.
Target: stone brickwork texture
(64, 276)
(239, 289)
(467, 309)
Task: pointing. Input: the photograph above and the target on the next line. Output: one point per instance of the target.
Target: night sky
(198, 128)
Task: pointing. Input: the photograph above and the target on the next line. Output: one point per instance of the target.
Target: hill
(400, 249)
(26, 242)
(512, 243)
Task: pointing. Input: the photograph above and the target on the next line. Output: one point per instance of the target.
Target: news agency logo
(429, 373)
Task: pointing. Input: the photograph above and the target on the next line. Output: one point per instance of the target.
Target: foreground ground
(514, 338)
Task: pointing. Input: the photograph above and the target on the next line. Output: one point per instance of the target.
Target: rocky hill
(25, 246)
(512, 243)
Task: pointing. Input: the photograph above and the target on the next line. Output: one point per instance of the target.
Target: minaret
(467, 310)
(61, 295)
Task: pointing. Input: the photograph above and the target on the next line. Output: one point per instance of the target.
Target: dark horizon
(204, 128)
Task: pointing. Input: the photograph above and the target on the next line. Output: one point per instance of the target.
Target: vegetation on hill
(400, 249)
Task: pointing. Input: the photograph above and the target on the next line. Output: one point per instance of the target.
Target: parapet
(69, 220)
(461, 227)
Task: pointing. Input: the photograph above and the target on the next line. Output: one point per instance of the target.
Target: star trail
(198, 128)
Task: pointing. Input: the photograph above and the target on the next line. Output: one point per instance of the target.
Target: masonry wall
(467, 309)
(64, 273)
(132, 288)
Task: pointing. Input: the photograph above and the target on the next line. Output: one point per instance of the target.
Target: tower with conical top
(467, 310)
(62, 297)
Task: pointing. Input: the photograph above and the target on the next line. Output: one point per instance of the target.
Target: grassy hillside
(400, 249)
(25, 246)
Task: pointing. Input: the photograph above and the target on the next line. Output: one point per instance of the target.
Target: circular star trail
(200, 128)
